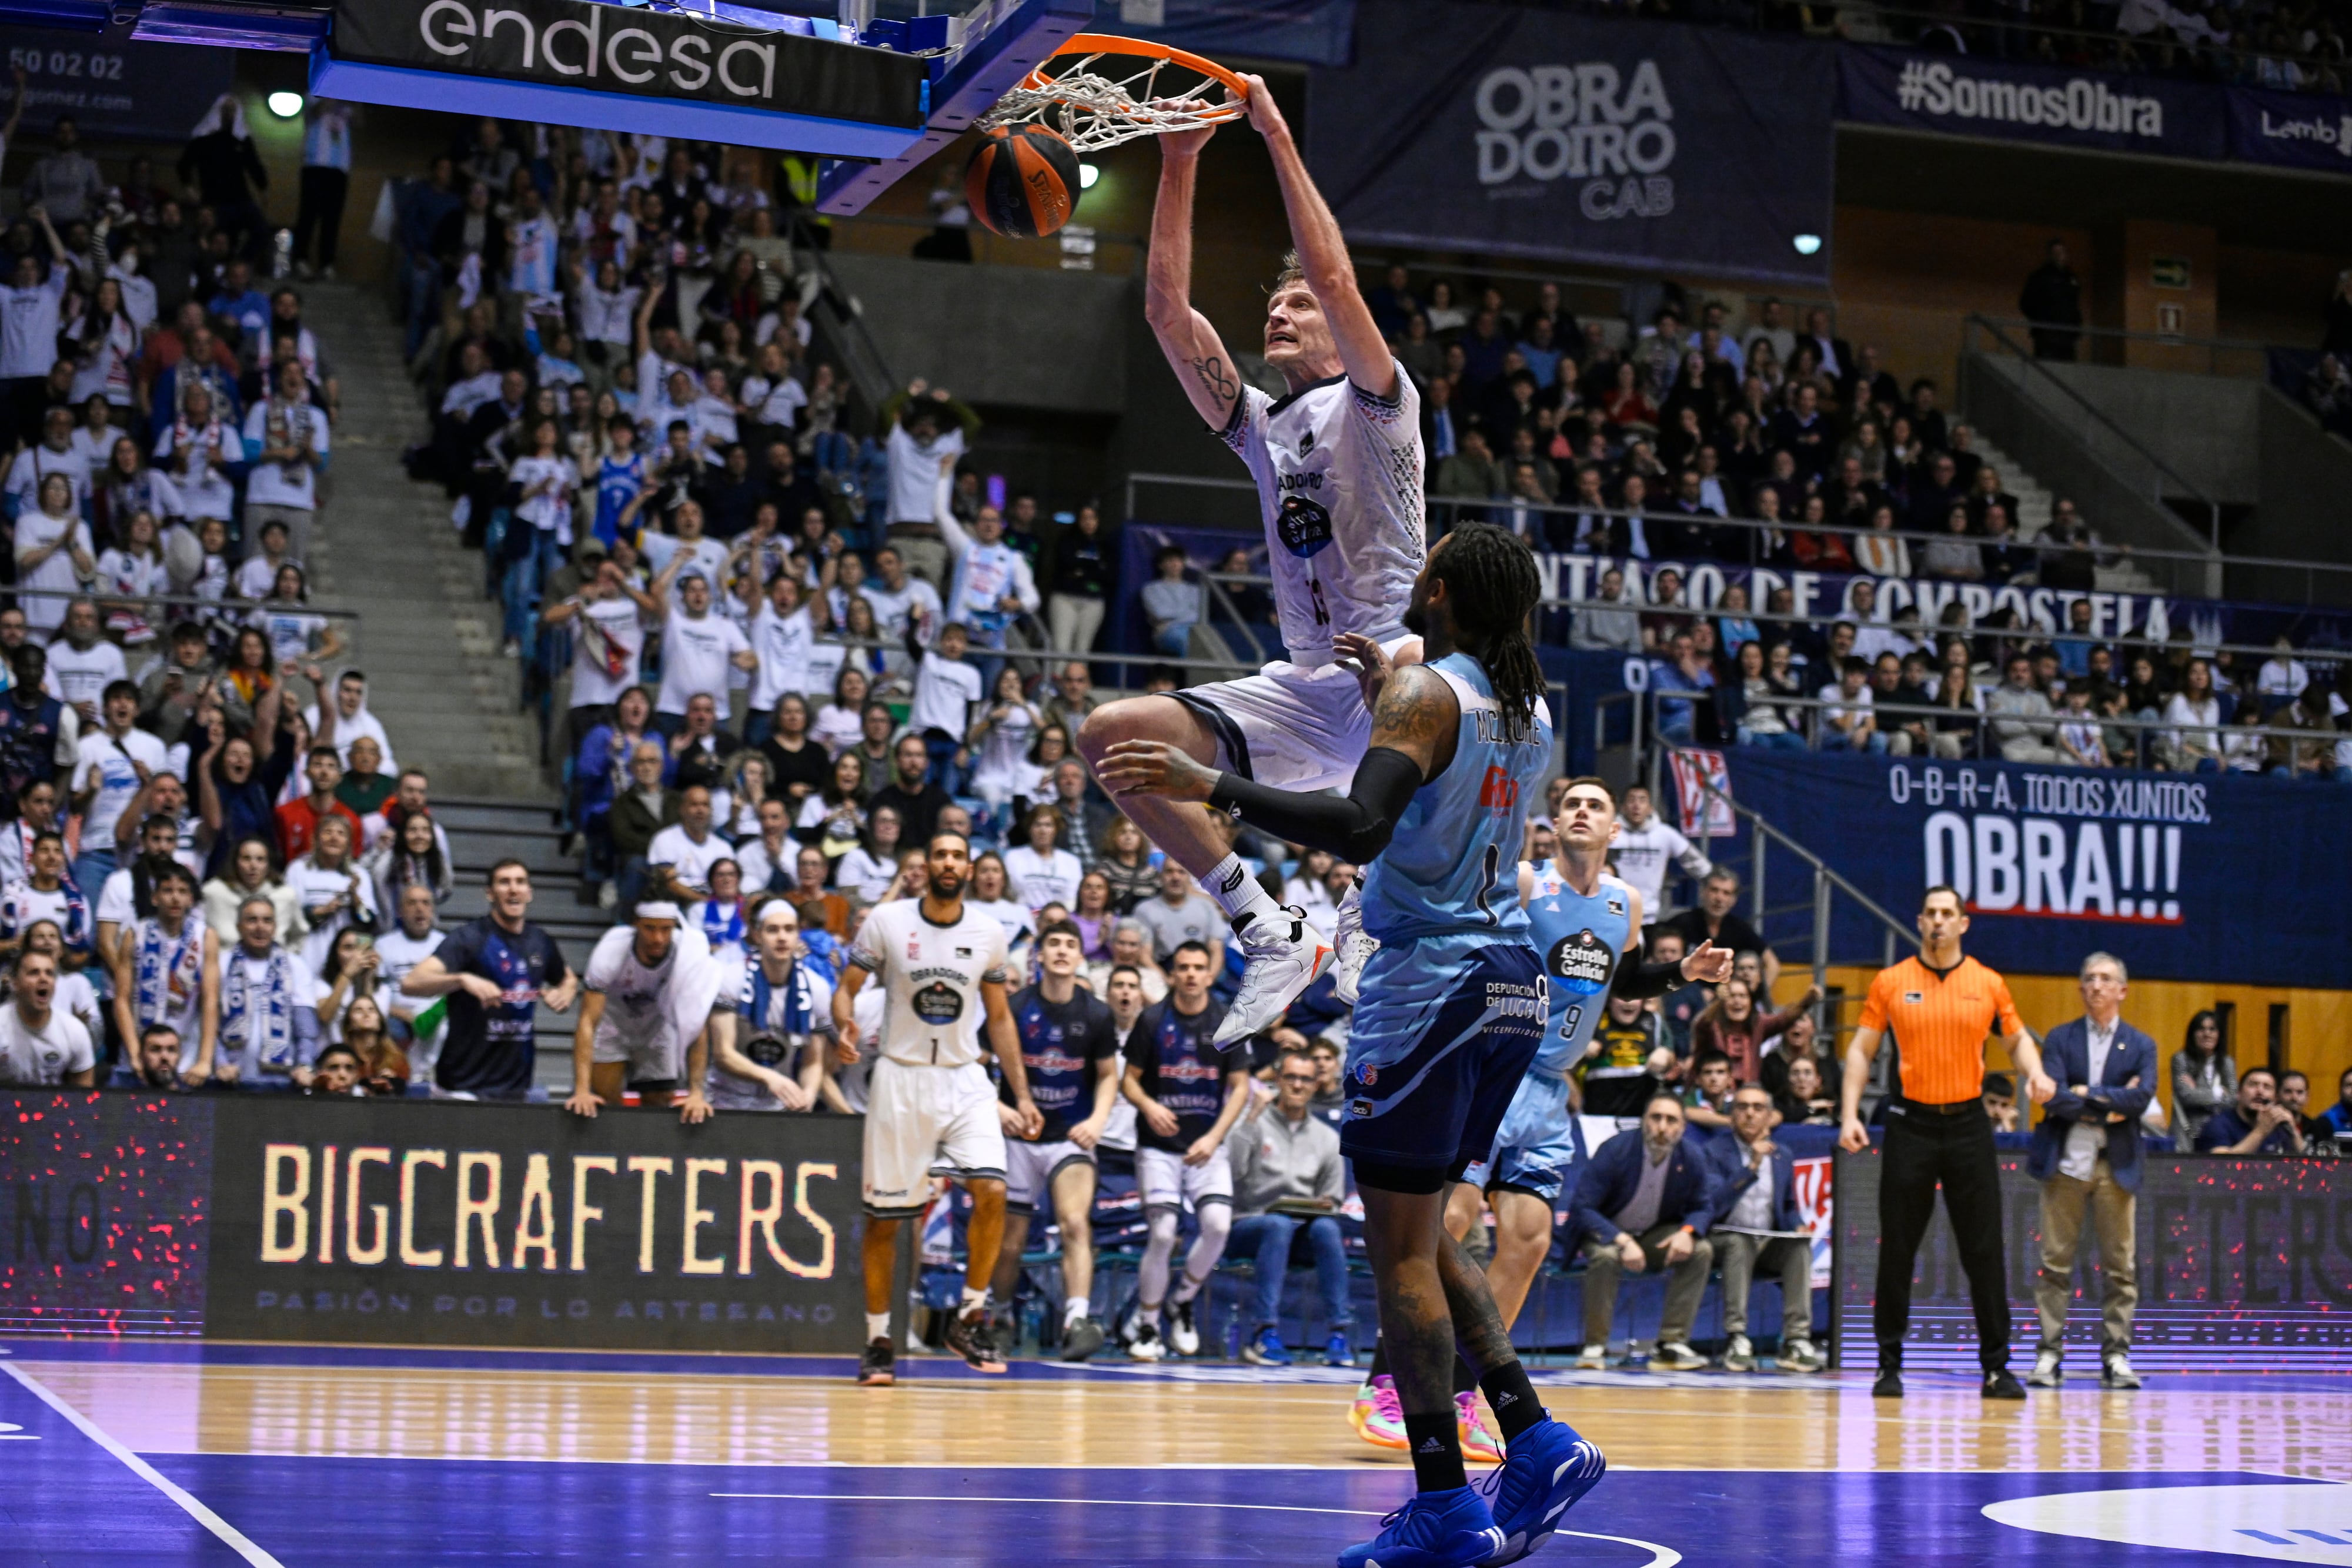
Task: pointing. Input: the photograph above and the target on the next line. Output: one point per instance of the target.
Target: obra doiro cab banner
(527, 1225)
(2195, 876)
(1566, 136)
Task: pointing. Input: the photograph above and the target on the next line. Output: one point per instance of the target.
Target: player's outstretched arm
(1323, 253)
(1194, 350)
(583, 1101)
(1413, 733)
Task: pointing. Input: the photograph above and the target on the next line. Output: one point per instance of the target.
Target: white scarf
(271, 1012)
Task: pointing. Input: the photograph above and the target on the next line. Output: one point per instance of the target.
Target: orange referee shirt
(1940, 1021)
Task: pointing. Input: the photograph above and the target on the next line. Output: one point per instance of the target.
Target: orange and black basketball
(1023, 181)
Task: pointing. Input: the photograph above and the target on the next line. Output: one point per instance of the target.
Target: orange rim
(1111, 44)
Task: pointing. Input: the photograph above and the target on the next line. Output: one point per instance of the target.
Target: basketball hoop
(1098, 91)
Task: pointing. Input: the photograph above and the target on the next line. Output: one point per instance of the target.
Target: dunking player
(929, 1106)
(1586, 927)
(1069, 1053)
(1338, 463)
(632, 1032)
(1452, 1013)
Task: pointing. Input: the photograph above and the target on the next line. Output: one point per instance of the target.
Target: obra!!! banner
(1564, 136)
(270, 1217)
(2184, 876)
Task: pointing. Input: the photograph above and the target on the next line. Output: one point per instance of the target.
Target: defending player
(648, 991)
(929, 1105)
(1451, 1015)
(1338, 463)
(1069, 1052)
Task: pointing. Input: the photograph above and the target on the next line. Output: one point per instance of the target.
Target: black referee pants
(1923, 1150)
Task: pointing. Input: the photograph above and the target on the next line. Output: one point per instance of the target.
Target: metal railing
(838, 313)
(2150, 484)
(1447, 510)
(2236, 358)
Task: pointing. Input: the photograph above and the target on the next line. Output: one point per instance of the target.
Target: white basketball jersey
(637, 1012)
(932, 975)
(1338, 475)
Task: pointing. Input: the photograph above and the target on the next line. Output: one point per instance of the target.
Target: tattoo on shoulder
(1413, 705)
(1215, 377)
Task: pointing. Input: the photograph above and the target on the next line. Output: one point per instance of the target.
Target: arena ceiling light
(1808, 245)
(1087, 174)
(285, 105)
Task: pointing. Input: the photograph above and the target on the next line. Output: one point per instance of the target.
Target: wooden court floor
(435, 1457)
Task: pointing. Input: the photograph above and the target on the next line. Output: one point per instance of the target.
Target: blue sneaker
(1336, 1352)
(1435, 1530)
(1266, 1349)
(1546, 1469)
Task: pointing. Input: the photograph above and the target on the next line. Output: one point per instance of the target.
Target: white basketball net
(1093, 110)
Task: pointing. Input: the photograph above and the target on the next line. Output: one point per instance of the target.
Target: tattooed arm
(1414, 734)
(1193, 350)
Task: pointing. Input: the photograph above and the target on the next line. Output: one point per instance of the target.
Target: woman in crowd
(1078, 580)
(990, 895)
(735, 808)
(105, 348)
(2204, 1080)
(238, 780)
(54, 555)
(383, 1065)
(1041, 871)
(834, 819)
(1125, 863)
(1959, 718)
(1751, 703)
(1732, 1024)
(886, 667)
(122, 485)
(999, 738)
(297, 636)
(131, 576)
(406, 858)
(250, 871)
(1046, 753)
(1094, 916)
(868, 868)
(2194, 744)
(75, 995)
(354, 972)
(797, 762)
(723, 917)
(600, 772)
(840, 722)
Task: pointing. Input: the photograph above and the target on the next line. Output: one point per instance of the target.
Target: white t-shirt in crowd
(28, 326)
(82, 674)
(106, 762)
(894, 608)
(673, 847)
(782, 644)
(606, 648)
(1039, 880)
(866, 877)
(34, 529)
(696, 657)
(275, 483)
(706, 555)
(915, 471)
(774, 402)
(42, 1057)
(314, 885)
(945, 690)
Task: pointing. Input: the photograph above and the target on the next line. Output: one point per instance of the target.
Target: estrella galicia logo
(1305, 526)
(1582, 962)
(939, 1003)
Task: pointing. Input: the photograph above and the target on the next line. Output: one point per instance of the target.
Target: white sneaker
(1282, 956)
(2116, 1371)
(1595, 1358)
(1145, 1346)
(1184, 1335)
(1799, 1356)
(1738, 1355)
(2046, 1372)
(1675, 1356)
(1355, 946)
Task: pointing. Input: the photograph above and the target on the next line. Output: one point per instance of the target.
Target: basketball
(1022, 182)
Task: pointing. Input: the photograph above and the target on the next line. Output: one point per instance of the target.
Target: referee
(1940, 1007)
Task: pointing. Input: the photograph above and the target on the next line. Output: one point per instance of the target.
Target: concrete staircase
(427, 638)
(2034, 508)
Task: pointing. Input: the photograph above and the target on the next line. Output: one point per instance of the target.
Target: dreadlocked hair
(1492, 587)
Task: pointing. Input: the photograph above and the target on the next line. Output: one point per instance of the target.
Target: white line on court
(229, 1533)
(1660, 1556)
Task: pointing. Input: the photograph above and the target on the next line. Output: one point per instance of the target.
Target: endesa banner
(2184, 875)
(1962, 95)
(276, 1218)
(1566, 136)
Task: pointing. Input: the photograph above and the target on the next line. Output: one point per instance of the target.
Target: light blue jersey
(1579, 937)
(1452, 867)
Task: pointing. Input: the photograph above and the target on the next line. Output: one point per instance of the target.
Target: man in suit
(1756, 1192)
(1643, 1203)
(2086, 1153)
(1837, 354)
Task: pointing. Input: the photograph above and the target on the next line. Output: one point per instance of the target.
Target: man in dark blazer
(1756, 1192)
(1643, 1203)
(2086, 1153)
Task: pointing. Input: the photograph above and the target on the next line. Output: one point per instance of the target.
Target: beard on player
(946, 883)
